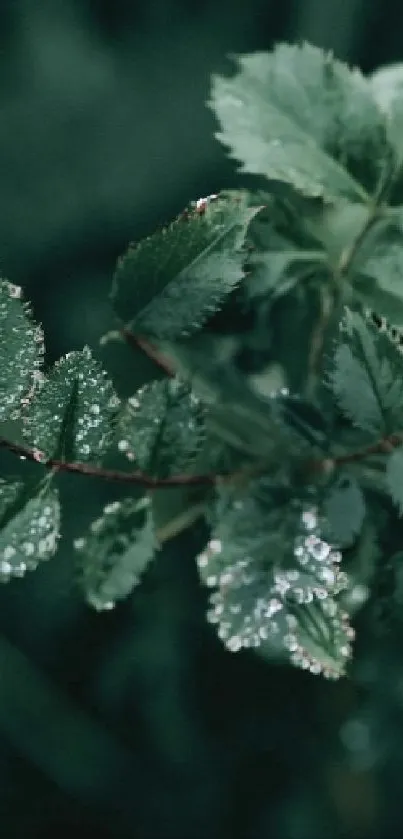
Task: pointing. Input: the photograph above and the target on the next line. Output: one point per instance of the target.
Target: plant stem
(107, 474)
(181, 522)
(384, 446)
(143, 344)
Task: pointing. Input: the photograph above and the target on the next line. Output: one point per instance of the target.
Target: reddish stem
(106, 474)
(384, 446)
(149, 349)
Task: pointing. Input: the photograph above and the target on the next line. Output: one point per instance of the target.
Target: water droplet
(39, 456)
(113, 507)
(309, 519)
(327, 575)
(318, 549)
(202, 560)
(28, 548)
(291, 643)
(234, 643)
(215, 546)
(5, 567)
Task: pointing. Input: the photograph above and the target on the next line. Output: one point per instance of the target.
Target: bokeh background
(137, 723)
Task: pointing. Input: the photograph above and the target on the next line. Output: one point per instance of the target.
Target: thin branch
(375, 211)
(318, 339)
(107, 474)
(349, 254)
(143, 344)
(384, 446)
(181, 522)
(347, 258)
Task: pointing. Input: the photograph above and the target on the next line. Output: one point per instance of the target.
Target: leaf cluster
(273, 314)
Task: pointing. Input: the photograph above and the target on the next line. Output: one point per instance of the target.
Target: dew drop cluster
(31, 534)
(258, 599)
(21, 351)
(74, 406)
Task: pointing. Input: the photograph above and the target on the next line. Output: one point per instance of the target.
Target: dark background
(138, 723)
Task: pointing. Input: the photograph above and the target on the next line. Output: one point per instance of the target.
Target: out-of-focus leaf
(300, 116)
(116, 551)
(344, 509)
(29, 528)
(379, 277)
(394, 477)
(162, 428)
(21, 351)
(387, 86)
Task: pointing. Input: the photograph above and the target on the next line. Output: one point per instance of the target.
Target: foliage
(116, 551)
(284, 432)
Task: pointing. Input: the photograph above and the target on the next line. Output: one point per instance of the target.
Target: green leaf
(234, 413)
(162, 428)
(115, 553)
(353, 389)
(367, 377)
(344, 509)
(387, 87)
(21, 351)
(283, 251)
(300, 116)
(379, 273)
(338, 226)
(71, 415)
(29, 528)
(169, 284)
(320, 640)
(394, 477)
(274, 581)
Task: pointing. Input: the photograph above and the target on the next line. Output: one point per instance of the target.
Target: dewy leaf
(344, 509)
(275, 580)
(21, 351)
(116, 552)
(72, 412)
(321, 638)
(367, 377)
(162, 428)
(387, 86)
(300, 116)
(394, 477)
(29, 528)
(169, 284)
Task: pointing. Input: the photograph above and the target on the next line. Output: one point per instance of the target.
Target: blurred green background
(137, 723)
